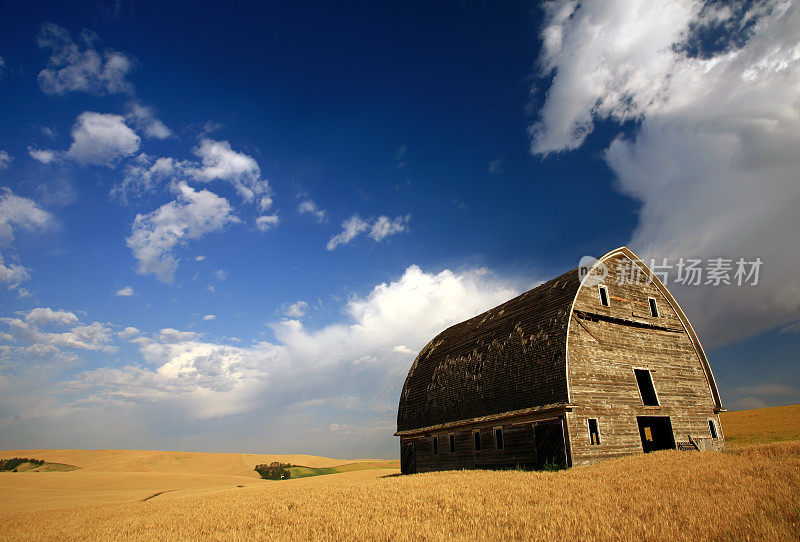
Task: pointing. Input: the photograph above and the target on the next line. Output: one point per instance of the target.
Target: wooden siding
(605, 344)
(518, 450)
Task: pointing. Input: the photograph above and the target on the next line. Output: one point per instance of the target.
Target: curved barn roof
(509, 358)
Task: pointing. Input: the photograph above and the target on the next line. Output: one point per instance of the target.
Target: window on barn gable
(603, 296)
(477, 440)
(653, 307)
(646, 388)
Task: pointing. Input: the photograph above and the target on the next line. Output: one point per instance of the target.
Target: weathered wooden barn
(579, 369)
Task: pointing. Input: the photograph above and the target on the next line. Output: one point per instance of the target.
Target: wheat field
(750, 492)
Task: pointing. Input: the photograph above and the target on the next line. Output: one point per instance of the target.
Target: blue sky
(228, 227)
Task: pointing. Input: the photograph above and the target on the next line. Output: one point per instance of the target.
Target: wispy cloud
(381, 228)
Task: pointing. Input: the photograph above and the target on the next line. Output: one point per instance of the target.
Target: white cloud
(102, 139)
(199, 258)
(94, 336)
(13, 274)
(22, 213)
(47, 316)
(359, 361)
(309, 207)
(351, 227)
(72, 67)
(384, 226)
(220, 274)
(144, 174)
(146, 122)
(495, 167)
(5, 159)
(714, 160)
(128, 333)
(296, 310)
(380, 229)
(154, 236)
(126, 291)
(208, 317)
(267, 222)
(42, 155)
(218, 161)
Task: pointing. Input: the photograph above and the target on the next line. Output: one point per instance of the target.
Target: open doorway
(656, 433)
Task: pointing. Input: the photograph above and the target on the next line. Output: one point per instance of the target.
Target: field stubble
(750, 493)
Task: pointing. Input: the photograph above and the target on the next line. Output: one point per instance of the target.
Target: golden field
(747, 492)
(761, 425)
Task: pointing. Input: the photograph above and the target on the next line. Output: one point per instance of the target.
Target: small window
(435, 445)
(452, 439)
(645, 381)
(594, 432)
(713, 428)
(653, 307)
(477, 437)
(603, 296)
(498, 438)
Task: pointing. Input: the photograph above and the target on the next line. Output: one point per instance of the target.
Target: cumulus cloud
(42, 155)
(5, 159)
(155, 236)
(81, 67)
(327, 366)
(714, 159)
(47, 316)
(28, 332)
(126, 291)
(379, 229)
(144, 119)
(102, 139)
(308, 206)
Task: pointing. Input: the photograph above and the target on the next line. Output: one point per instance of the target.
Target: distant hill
(233, 464)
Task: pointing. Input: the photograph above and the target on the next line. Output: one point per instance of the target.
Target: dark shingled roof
(509, 358)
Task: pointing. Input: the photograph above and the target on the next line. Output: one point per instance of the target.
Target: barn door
(656, 433)
(549, 443)
(408, 457)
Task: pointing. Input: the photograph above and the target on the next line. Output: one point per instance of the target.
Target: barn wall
(603, 349)
(519, 446)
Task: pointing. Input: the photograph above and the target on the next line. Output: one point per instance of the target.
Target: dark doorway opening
(408, 458)
(549, 442)
(656, 433)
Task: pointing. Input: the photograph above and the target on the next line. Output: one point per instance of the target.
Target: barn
(597, 363)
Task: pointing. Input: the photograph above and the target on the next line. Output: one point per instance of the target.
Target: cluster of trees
(274, 471)
(14, 462)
